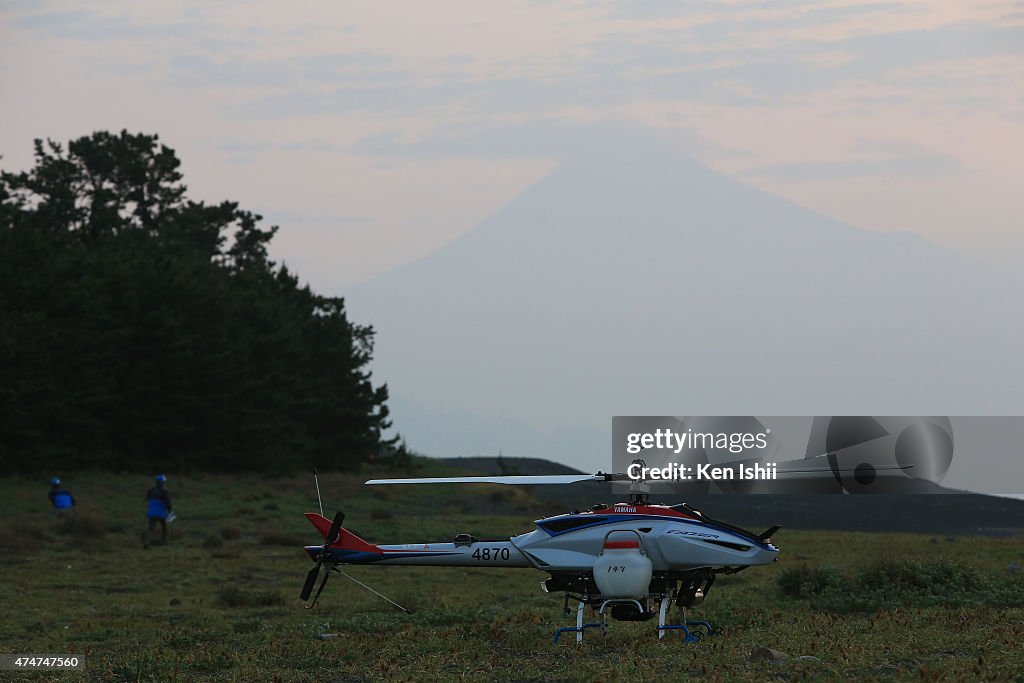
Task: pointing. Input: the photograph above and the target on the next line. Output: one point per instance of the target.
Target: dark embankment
(946, 514)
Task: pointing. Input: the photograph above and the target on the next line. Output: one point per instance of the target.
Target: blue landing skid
(690, 636)
(573, 629)
(706, 624)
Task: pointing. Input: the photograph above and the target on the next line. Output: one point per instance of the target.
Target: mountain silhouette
(638, 281)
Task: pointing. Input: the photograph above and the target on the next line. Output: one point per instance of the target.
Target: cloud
(906, 165)
(887, 51)
(732, 55)
(786, 87)
(545, 139)
(617, 68)
(338, 71)
(91, 25)
(668, 66)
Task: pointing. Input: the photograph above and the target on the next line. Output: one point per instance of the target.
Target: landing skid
(683, 625)
(580, 626)
(689, 636)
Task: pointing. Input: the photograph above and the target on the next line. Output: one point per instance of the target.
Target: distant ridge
(949, 514)
(484, 465)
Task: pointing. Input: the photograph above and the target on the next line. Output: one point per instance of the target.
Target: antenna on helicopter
(317, 482)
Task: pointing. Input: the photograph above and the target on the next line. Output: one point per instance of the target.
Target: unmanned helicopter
(630, 561)
(633, 560)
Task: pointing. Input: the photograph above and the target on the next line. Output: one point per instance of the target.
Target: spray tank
(623, 569)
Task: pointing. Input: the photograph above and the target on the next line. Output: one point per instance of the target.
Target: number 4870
(488, 554)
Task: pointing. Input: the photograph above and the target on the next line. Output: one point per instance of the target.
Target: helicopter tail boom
(466, 551)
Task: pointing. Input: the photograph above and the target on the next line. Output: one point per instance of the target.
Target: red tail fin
(346, 539)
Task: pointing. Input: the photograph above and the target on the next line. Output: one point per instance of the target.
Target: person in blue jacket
(63, 502)
(158, 509)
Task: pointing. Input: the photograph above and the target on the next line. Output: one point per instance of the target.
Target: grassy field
(220, 600)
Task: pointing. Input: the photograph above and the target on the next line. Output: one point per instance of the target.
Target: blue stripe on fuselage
(613, 519)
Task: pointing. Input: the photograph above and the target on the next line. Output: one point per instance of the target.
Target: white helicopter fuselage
(674, 538)
(630, 561)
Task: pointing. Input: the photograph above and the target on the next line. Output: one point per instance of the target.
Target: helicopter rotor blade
(784, 471)
(513, 480)
(332, 535)
(310, 582)
(323, 582)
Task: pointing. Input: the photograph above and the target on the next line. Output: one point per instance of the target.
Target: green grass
(217, 604)
(889, 582)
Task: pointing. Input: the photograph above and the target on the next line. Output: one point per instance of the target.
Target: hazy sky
(375, 132)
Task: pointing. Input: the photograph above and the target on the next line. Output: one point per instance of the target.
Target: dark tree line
(140, 329)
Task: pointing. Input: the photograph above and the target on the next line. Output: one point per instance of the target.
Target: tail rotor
(322, 556)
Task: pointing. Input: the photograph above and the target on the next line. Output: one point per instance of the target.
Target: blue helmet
(161, 477)
(55, 481)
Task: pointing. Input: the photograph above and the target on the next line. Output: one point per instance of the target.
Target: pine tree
(140, 329)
